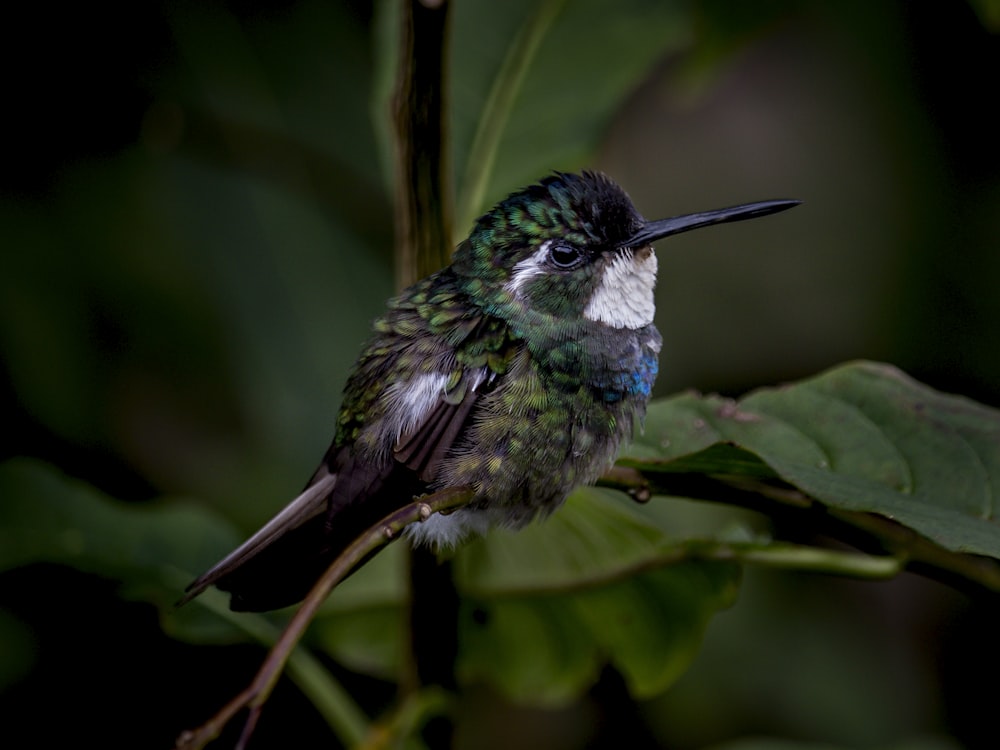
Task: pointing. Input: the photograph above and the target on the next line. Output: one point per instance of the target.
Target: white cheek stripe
(527, 269)
(624, 298)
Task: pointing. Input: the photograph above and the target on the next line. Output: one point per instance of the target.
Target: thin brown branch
(869, 532)
(257, 693)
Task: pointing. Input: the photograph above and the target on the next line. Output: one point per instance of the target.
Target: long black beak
(657, 230)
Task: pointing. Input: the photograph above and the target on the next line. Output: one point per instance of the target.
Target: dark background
(184, 192)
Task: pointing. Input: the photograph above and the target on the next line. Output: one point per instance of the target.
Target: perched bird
(516, 371)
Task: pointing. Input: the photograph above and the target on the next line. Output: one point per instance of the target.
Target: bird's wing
(347, 495)
(423, 447)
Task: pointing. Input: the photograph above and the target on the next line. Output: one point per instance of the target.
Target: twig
(869, 532)
(257, 693)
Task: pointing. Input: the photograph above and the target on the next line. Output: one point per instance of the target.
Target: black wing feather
(425, 448)
(348, 496)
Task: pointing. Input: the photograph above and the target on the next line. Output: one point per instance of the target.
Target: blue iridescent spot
(636, 383)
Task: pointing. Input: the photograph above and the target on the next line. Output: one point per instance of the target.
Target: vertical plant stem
(422, 186)
(433, 637)
(423, 234)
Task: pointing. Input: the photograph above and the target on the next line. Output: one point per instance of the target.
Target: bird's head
(574, 247)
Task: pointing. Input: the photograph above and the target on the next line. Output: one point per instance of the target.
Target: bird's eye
(565, 256)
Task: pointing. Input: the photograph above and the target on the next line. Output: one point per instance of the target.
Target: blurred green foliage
(196, 234)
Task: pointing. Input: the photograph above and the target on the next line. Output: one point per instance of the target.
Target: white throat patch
(624, 298)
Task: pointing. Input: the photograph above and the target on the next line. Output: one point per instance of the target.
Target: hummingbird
(515, 372)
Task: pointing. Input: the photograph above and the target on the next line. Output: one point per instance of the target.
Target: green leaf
(862, 437)
(547, 607)
(367, 639)
(549, 648)
(532, 650)
(154, 549)
(597, 537)
(46, 517)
